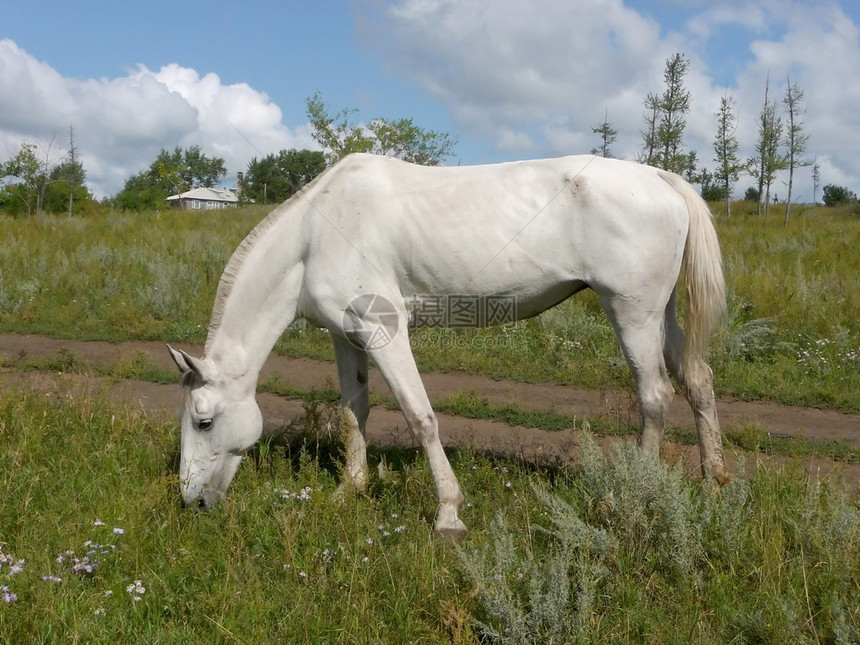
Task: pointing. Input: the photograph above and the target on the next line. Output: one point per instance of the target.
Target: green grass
(264, 567)
(617, 550)
(792, 334)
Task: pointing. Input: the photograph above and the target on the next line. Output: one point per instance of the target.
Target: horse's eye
(204, 424)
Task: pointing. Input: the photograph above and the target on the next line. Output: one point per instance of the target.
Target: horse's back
(518, 228)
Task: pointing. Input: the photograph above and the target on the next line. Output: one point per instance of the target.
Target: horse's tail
(703, 268)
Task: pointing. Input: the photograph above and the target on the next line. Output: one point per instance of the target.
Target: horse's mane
(240, 255)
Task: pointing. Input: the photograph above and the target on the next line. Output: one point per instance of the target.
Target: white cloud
(120, 124)
(535, 77)
(506, 66)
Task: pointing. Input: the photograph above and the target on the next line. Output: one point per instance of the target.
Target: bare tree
(795, 138)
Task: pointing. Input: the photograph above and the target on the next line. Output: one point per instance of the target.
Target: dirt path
(387, 427)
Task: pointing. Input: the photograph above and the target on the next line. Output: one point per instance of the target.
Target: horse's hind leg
(640, 334)
(397, 365)
(355, 406)
(699, 391)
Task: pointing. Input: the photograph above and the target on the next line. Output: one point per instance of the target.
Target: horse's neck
(260, 304)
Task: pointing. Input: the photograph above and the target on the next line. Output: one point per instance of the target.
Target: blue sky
(509, 79)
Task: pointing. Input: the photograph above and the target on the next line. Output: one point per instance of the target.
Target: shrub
(838, 195)
(544, 594)
(629, 550)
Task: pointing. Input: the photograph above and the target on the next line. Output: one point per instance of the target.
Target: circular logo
(370, 321)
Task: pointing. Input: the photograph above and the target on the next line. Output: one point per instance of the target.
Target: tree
(607, 137)
(183, 170)
(276, 177)
(665, 123)
(34, 183)
(140, 192)
(171, 173)
(713, 190)
(404, 140)
(816, 181)
(67, 181)
(674, 104)
(767, 161)
(795, 138)
(726, 150)
(27, 178)
(23, 178)
(66, 188)
(338, 136)
(752, 194)
(649, 134)
(838, 195)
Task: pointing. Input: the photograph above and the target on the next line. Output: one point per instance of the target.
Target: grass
(265, 567)
(793, 332)
(618, 550)
(116, 276)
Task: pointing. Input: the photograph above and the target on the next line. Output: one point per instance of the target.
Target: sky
(509, 79)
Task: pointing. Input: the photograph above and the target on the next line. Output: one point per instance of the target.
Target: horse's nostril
(201, 503)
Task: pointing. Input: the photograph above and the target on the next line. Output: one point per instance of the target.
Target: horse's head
(220, 422)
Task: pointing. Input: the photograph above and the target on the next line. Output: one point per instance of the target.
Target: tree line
(34, 180)
(32, 183)
(780, 144)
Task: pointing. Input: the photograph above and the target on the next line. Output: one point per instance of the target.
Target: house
(205, 198)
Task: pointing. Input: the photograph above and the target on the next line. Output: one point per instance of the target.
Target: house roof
(208, 194)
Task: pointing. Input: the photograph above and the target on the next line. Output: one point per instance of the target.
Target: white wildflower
(136, 590)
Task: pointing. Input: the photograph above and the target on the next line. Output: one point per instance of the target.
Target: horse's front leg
(397, 365)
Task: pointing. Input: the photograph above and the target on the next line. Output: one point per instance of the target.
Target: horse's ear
(179, 358)
(187, 363)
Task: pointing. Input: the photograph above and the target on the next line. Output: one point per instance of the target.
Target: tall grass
(97, 548)
(116, 276)
(793, 331)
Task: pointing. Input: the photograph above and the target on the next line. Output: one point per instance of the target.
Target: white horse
(350, 250)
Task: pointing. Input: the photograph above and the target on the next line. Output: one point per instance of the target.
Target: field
(793, 332)
(96, 547)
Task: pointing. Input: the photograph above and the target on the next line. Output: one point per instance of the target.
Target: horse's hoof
(722, 478)
(455, 533)
(349, 488)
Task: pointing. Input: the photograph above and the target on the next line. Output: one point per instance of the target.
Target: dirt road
(387, 427)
